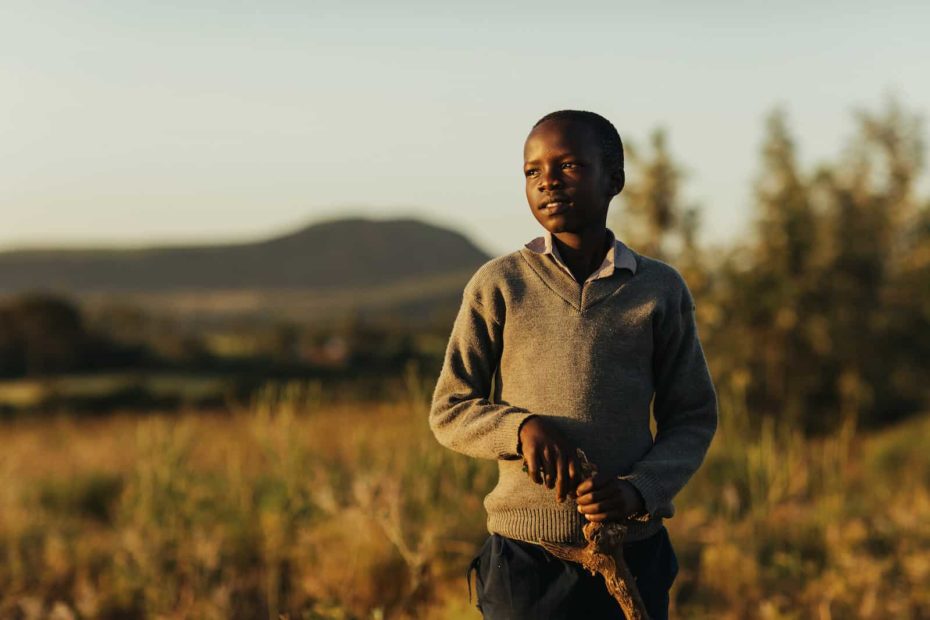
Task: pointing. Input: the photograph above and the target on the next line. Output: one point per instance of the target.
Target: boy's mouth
(556, 206)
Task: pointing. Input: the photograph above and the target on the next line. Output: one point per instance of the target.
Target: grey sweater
(529, 339)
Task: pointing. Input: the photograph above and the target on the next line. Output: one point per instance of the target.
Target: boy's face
(567, 186)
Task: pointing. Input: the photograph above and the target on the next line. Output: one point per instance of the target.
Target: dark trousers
(517, 580)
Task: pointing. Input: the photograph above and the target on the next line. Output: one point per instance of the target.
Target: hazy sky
(126, 123)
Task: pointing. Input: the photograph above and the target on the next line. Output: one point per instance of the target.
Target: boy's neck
(583, 251)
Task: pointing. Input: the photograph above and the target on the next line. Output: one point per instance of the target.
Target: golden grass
(296, 508)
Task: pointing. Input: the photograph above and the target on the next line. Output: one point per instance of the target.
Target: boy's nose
(550, 181)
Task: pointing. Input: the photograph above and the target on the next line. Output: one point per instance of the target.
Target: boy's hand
(549, 458)
(604, 498)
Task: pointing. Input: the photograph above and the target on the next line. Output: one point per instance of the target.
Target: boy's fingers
(586, 486)
(589, 484)
(604, 506)
(597, 495)
(600, 496)
(550, 458)
(532, 464)
(562, 481)
(571, 466)
(573, 470)
(600, 480)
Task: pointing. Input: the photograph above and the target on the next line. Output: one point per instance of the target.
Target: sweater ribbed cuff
(506, 443)
(650, 489)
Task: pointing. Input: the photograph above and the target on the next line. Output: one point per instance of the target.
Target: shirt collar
(619, 256)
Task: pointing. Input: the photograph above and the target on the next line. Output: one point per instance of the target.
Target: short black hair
(607, 135)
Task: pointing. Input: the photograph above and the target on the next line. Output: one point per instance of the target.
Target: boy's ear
(617, 182)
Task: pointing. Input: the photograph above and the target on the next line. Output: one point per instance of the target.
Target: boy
(578, 332)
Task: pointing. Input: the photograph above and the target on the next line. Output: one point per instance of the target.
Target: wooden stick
(603, 554)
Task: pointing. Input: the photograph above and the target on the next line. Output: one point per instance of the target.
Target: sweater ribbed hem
(564, 526)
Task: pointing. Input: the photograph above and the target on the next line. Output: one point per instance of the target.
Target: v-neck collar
(579, 296)
(618, 256)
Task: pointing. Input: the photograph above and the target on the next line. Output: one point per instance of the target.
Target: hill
(333, 254)
(403, 266)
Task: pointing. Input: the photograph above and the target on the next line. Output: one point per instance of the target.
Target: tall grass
(297, 506)
(779, 526)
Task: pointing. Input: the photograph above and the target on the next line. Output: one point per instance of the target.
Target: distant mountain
(338, 254)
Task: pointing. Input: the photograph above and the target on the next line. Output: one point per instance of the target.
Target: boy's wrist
(520, 431)
(640, 509)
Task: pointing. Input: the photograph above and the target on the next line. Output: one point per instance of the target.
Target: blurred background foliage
(824, 312)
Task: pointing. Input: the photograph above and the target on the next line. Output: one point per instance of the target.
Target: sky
(137, 123)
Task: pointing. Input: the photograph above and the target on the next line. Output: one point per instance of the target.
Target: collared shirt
(618, 256)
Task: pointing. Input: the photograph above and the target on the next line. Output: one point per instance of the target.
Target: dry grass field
(299, 507)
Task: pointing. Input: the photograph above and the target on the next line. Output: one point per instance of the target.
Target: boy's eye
(530, 172)
(569, 164)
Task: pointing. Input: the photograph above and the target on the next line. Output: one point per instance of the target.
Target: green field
(26, 394)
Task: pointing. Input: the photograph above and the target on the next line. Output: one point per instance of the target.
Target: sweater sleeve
(462, 417)
(684, 406)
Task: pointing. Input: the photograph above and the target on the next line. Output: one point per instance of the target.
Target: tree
(655, 216)
(874, 237)
(43, 334)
